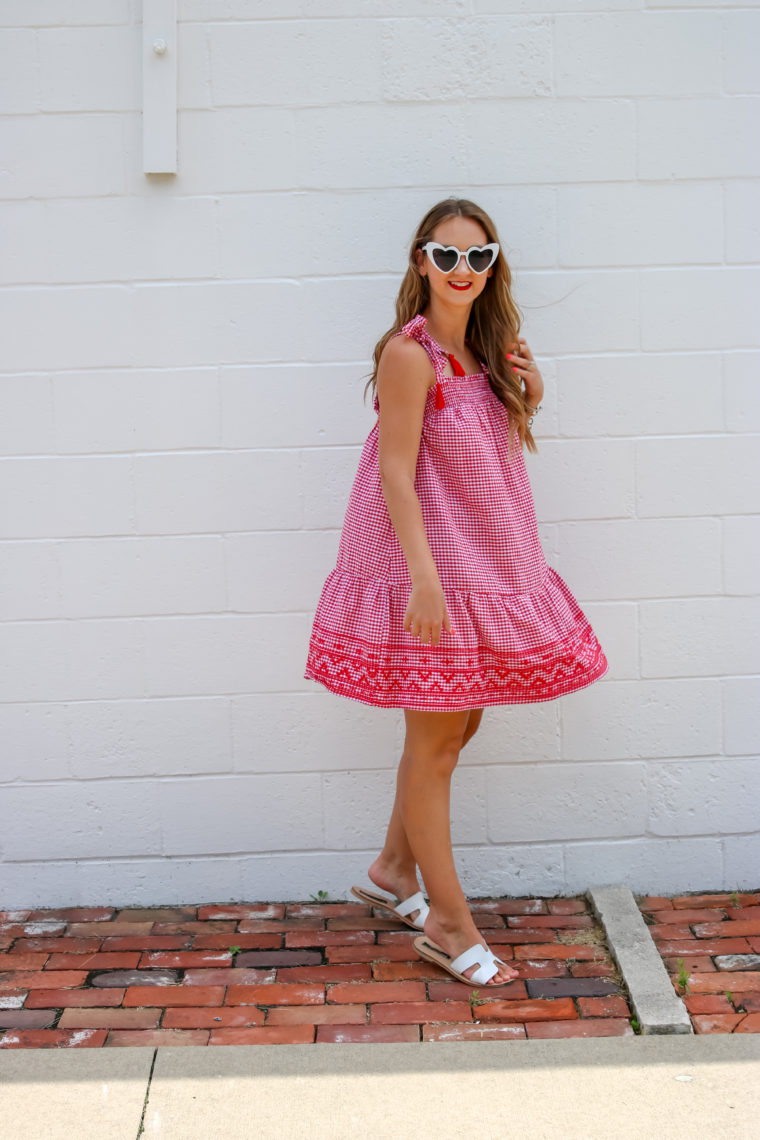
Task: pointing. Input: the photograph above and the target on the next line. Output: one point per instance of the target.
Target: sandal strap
(477, 953)
(414, 902)
(420, 919)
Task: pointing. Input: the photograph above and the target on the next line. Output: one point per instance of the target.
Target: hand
(525, 366)
(427, 612)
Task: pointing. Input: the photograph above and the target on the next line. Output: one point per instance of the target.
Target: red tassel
(458, 370)
(439, 400)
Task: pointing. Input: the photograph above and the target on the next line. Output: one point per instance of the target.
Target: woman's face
(460, 287)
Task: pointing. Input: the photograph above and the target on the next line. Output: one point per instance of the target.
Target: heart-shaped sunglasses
(446, 258)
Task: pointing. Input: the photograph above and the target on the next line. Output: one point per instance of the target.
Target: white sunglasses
(446, 258)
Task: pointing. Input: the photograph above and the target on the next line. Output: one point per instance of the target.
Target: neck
(447, 325)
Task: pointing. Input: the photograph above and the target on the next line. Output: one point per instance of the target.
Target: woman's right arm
(403, 377)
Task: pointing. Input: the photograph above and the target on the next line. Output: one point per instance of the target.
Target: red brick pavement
(710, 945)
(333, 972)
(302, 972)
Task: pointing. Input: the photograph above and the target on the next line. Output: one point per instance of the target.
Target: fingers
(521, 355)
(429, 633)
(427, 614)
(418, 628)
(523, 362)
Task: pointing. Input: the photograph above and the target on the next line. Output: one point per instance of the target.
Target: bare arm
(403, 378)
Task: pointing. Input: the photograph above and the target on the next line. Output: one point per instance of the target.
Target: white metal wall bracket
(159, 71)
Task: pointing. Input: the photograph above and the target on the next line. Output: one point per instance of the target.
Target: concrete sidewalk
(671, 1087)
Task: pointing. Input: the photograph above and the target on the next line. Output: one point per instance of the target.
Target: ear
(419, 260)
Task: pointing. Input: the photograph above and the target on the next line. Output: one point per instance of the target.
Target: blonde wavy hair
(494, 321)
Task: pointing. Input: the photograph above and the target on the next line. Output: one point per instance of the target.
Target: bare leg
(473, 724)
(395, 869)
(431, 752)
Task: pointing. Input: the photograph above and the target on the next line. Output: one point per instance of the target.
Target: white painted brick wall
(181, 417)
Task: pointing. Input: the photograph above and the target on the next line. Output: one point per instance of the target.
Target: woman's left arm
(525, 366)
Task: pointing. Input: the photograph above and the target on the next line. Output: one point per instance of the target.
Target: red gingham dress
(517, 632)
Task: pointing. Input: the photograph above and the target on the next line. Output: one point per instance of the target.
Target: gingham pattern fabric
(518, 634)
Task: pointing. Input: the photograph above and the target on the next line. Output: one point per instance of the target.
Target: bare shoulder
(404, 367)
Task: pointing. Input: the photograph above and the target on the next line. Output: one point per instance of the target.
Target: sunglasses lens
(445, 259)
(480, 259)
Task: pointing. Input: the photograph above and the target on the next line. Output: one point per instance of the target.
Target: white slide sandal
(489, 963)
(399, 910)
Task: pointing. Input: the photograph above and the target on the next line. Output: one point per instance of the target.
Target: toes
(503, 976)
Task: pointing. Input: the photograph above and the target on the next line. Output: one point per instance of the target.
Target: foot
(456, 940)
(398, 881)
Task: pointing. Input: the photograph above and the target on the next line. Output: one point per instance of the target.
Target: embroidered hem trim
(391, 677)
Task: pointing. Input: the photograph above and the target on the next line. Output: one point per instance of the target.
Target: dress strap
(417, 331)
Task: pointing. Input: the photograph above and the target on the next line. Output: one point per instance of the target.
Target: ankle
(451, 921)
(393, 866)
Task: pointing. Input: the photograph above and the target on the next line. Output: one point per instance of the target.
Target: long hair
(494, 321)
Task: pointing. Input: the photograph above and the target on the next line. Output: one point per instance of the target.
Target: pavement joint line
(655, 1003)
(146, 1098)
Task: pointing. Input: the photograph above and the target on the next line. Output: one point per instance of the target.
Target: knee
(438, 758)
